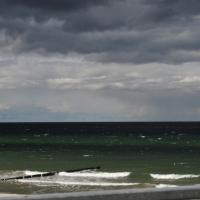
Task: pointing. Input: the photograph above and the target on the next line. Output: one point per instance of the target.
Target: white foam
(77, 183)
(31, 173)
(91, 174)
(165, 185)
(174, 176)
(87, 155)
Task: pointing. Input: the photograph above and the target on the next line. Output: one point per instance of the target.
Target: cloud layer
(111, 31)
(99, 60)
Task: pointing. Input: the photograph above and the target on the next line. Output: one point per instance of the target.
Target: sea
(130, 155)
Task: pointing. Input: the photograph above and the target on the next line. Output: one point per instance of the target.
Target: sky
(99, 60)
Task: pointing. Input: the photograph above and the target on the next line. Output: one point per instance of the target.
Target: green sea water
(127, 161)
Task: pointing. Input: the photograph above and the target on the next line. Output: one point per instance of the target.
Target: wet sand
(3, 195)
(179, 193)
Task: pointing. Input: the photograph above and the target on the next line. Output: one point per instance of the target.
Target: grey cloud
(111, 31)
(43, 8)
(177, 7)
(77, 73)
(127, 60)
(98, 91)
(103, 105)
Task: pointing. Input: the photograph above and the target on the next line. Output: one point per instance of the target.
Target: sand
(2, 195)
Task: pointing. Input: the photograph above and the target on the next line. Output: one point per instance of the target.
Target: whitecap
(87, 155)
(31, 173)
(86, 174)
(174, 176)
(165, 185)
(91, 174)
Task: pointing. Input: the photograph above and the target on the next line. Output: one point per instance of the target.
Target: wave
(87, 155)
(31, 173)
(174, 176)
(90, 174)
(77, 183)
(84, 178)
(87, 174)
(165, 185)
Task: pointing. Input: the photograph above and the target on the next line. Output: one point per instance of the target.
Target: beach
(179, 193)
(5, 195)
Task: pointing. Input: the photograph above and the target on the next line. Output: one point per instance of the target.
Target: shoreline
(178, 193)
(9, 195)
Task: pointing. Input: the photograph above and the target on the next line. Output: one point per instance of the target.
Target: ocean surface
(156, 155)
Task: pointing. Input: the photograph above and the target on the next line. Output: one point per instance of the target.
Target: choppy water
(131, 161)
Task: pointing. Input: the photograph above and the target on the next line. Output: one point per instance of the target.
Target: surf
(77, 183)
(174, 176)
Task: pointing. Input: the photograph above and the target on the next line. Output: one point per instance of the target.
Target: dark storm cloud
(54, 5)
(78, 60)
(30, 7)
(177, 7)
(137, 31)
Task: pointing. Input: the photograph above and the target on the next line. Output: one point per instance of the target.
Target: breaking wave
(31, 173)
(83, 178)
(112, 175)
(88, 173)
(173, 176)
(84, 183)
(165, 185)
